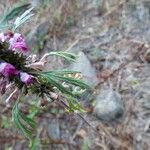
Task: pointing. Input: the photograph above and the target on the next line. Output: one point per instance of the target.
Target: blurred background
(111, 38)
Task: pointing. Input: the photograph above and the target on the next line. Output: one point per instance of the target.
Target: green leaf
(54, 83)
(14, 12)
(62, 72)
(57, 77)
(73, 105)
(22, 19)
(23, 123)
(34, 143)
(33, 110)
(68, 56)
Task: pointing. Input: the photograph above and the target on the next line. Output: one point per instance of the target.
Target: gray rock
(84, 66)
(146, 101)
(54, 130)
(109, 105)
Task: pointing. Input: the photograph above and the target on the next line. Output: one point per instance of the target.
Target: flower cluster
(16, 43)
(21, 75)
(15, 40)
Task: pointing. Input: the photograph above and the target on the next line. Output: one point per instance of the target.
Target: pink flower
(15, 40)
(26, 78)
(17, 43)
(7, 69)
(21, 46)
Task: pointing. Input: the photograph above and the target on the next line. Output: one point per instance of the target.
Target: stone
(54, 130)
(146, 101)
(109, 105)
(84, 66)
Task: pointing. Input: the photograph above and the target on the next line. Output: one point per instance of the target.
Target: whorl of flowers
(15, 40)
(15, 43)
(23, 75)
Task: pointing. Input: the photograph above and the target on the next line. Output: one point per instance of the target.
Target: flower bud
(26, 78)
(7, 69)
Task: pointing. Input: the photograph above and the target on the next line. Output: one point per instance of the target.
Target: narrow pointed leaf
(14, 12)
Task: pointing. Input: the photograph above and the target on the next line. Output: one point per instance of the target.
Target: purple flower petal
(17, 43)
(7, 69)
(20, 46)
(26, 78)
